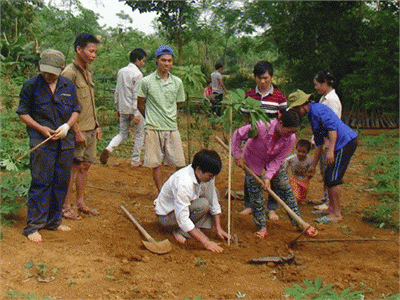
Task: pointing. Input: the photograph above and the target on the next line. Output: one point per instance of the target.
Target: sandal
(69, 213)
(88, 211)
(325, 220)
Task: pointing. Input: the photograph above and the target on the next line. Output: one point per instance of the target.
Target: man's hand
(62, 131)
(80, 138)
(241, 163)
(267, 184)
(136, 120)
(47, 132)
(222, 234)
(99, 133)
(210, 245)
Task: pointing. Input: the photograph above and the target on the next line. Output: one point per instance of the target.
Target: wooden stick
(299, 220)
(229, 174)
(34, 148)
(343, 240)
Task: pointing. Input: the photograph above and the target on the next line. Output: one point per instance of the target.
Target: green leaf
(29, 264)
(318, 282)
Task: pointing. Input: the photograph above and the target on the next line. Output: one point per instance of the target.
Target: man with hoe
(49, 108)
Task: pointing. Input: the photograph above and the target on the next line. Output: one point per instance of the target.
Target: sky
(108, 9)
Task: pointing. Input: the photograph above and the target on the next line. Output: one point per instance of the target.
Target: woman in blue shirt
(342, 145)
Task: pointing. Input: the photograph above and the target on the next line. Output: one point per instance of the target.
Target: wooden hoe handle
(141, 229)
(34, 148)
(299, 220)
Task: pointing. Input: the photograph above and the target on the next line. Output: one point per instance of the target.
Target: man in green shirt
(159, 97)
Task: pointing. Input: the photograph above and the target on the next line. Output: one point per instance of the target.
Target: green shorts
(88, 153)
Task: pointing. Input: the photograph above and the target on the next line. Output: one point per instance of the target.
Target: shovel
(151, 245)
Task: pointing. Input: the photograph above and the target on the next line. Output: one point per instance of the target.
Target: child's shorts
(300, 188)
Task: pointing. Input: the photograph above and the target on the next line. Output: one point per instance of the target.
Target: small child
(299, 164)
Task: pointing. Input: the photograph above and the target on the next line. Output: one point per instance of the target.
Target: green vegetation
(30, 296)
(385, 171)
(317, 291)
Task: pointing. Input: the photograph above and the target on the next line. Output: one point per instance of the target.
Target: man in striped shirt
(271, 99)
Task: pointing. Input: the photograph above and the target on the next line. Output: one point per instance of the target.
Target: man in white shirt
(188, 200)
(128, 81)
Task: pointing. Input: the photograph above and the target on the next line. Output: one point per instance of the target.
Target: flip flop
(70, 214)
(318, 211)
(88, 211)
(325, 220)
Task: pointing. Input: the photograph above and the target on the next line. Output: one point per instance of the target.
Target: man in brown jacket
(87, 129)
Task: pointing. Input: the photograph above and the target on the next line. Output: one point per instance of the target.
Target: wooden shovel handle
(299, 220)
(141, 229)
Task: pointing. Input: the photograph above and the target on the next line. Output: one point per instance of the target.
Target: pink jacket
(265, 151)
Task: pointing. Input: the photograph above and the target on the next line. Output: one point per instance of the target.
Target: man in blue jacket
(49, 107)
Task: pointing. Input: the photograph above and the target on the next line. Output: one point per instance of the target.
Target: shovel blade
(158, 247)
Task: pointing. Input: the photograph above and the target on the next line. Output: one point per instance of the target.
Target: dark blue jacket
(48, 109)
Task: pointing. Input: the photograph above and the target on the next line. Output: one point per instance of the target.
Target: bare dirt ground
(103, 257)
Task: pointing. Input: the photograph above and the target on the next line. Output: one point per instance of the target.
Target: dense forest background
(357, 40)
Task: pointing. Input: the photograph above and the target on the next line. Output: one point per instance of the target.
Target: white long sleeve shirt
(179, 191)
(125, 96)
(332, 100)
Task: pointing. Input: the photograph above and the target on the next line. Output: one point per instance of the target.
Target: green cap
(299, 98)
(52, 61)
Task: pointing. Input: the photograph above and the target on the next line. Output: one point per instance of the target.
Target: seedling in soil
(240, 295)
(201, 264)
(71, 281)
(42, 269)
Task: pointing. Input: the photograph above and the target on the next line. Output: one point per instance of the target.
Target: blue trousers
(50, 172)
(280, 184)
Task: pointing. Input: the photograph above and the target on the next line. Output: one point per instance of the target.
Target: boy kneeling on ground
(188, 200)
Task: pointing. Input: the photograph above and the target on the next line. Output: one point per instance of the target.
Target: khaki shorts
(87, 153)
(163, 147)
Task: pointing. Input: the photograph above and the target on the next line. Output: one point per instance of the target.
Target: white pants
(124, 125)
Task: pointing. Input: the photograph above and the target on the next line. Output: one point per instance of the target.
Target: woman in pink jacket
(264, 155)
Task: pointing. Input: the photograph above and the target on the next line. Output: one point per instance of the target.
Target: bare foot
(334, 217)
(272, 215)
(179, 237)
(63, 228)
(246, 211)
(262, 233)
(35, 237)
